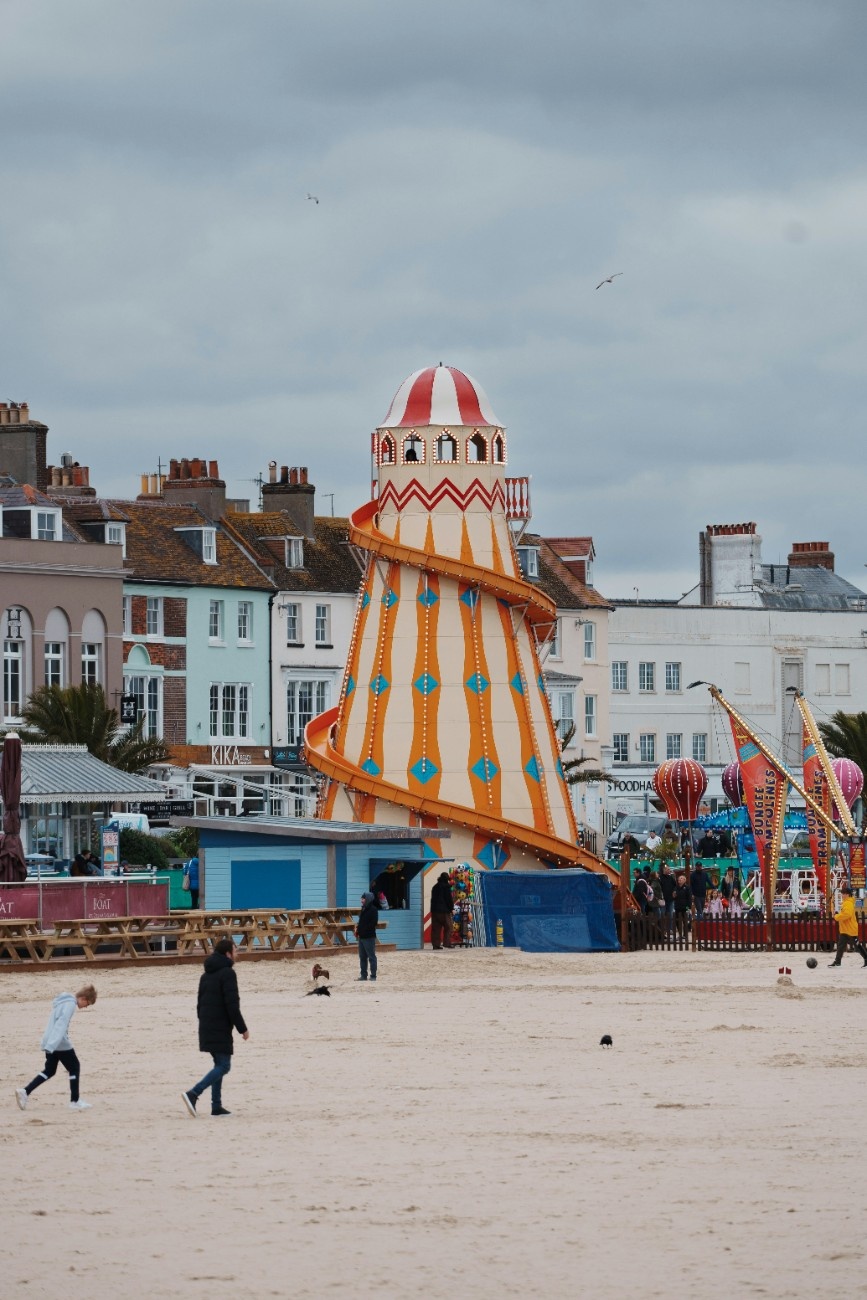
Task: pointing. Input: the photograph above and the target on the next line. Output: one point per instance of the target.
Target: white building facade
(769, 629)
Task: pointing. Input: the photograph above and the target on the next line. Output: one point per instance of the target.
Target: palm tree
(845, 736)
(574, 771)
(80, 715)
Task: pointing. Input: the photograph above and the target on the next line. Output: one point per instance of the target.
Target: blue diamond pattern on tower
(389, 598)
(379, 684)
(477, 682)
(426, 684)
(365, 600)
(428, 597)
(423, 770)
(494, 856)
(532, 768)
(371, 767)
(485, 770)
(516, 684)
(350, 684)
(470, 597)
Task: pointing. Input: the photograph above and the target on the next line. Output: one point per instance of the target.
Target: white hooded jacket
(56, 1036)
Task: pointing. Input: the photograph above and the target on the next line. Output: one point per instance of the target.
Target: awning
(70, 774)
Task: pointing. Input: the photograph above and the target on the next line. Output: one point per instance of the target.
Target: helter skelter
(443, 721)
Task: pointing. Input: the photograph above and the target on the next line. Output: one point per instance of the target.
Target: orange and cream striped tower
(443, 720)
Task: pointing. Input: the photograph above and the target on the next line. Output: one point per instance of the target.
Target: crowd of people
(676, 895)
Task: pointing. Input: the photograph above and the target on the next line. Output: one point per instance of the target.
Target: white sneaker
(80, 1105)
(21, 1098)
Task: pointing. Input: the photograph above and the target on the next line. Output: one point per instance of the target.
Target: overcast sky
(169, 290)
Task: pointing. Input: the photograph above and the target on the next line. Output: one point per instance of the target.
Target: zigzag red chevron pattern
(446, 490)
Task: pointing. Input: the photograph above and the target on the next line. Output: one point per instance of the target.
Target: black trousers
(70, 1063)
(845, 941)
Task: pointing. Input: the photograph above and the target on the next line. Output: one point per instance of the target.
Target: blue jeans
(214, 1079)
(367, 953)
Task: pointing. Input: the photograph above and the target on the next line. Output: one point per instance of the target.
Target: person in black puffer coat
(219, 1010)
(365, 933)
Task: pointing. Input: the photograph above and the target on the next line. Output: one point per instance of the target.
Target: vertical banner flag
(765, 791)
(857, 871)
(816, 786)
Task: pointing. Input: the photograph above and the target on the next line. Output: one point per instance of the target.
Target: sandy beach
(453, 1129)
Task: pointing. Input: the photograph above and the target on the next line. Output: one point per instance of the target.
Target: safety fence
(787, 932)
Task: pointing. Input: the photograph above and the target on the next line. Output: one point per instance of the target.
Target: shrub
(140, 849)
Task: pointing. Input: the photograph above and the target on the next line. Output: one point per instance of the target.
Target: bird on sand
(608, 279)
(313, 197)
(606, 1041)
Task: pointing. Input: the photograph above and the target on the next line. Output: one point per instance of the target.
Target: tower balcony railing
(518, 499)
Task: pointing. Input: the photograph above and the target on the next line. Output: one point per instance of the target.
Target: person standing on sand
(365, 933)
(698, 883)
(442, 909)
(219, 1010)
(847, 929)
(682, 905)
(59, 1050)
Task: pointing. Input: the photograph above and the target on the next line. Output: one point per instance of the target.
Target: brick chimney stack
(292, 493)
(811, 555)
(196, 483)
(22, 445)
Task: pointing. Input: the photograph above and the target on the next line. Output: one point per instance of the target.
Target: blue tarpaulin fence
(549, 911)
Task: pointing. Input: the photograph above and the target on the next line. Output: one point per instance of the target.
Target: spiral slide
(322, 755)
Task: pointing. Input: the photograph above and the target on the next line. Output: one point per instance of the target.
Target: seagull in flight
(608, 280)
(313, 197)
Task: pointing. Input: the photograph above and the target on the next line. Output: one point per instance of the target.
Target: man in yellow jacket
(847, 926)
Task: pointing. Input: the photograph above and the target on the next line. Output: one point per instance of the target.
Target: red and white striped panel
(439, 395)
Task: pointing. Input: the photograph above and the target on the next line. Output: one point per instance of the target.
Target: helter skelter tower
(443, 720)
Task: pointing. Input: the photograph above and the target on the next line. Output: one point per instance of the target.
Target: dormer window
(37, 523)
(203, 541)
(294, 552)
(528, 558)
(115, 535)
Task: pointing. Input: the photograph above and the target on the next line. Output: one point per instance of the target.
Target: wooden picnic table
(254, 931)
(19, 933)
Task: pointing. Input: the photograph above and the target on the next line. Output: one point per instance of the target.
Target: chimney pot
(272, 471)
(213, 469)
(302, 474)
(284, 474)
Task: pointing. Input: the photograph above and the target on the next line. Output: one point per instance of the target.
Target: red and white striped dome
(439, 395)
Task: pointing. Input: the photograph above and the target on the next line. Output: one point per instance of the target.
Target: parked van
(639, 826)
